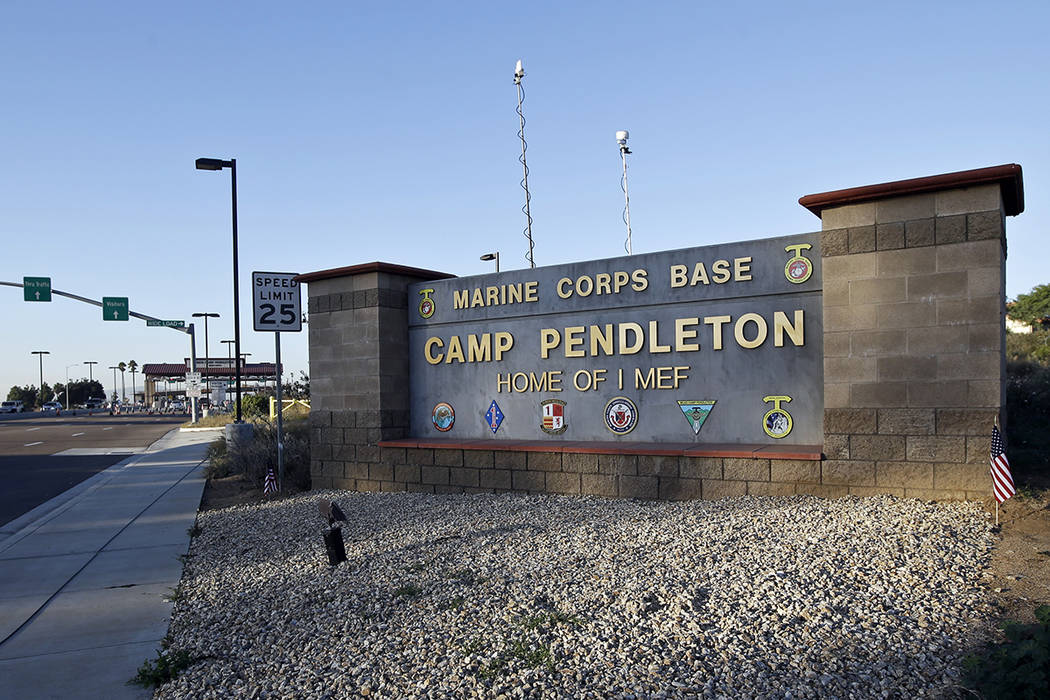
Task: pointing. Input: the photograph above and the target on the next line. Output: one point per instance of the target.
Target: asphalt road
(42, 457)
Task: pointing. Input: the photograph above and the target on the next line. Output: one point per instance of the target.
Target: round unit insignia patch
(777, 422)
(426, 304)
(799, 268)
(443, 416)
(621, 415)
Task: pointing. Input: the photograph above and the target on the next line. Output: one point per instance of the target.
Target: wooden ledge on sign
(680, 449)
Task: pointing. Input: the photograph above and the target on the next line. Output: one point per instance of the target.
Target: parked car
(94, 403)
(51, 406)
(12, 407)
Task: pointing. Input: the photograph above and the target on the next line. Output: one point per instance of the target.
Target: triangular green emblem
(696, 413)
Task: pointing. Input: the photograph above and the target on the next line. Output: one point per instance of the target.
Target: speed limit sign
(277, 299)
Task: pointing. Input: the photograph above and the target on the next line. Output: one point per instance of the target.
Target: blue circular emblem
(621, 415)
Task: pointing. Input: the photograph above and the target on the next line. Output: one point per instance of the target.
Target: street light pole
(492, 256)
(91, 375)
(219, 164)
(40, 390)
(207, 363)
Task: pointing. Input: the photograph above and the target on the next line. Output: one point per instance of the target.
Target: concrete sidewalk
(84, 577)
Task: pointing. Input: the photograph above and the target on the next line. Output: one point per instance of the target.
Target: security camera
(621, 137)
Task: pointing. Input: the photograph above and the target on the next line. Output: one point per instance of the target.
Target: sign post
(36, 288)
(278, 305)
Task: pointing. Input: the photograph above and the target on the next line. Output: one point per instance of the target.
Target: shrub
(1018, 668)
(253, 458)
(169, 664)
(1028, 409)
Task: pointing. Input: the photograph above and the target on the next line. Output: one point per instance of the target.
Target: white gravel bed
(547, 596)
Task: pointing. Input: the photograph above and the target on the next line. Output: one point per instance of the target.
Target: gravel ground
(546, 596)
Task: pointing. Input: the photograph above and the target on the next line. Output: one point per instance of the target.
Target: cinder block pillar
(914, 330)
(358, 326)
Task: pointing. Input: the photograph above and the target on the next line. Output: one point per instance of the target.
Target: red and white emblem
(552, 416)
(621, 415)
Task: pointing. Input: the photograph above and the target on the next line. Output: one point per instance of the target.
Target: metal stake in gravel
(333, 536)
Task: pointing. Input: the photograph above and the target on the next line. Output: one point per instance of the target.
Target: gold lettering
(639, 280)
(720, 271)
(514, 293)
(639, 339)
(681, 335)
(644, 381)
(524, 377)
(760, 336)
(431, 343)
(500, 382)
(602, 283)
(550, 338)
(460, 298)
(680, 374)
(620, 279)
(478, 299)
(654, 345)
(663, 377)
(742, 269)
(605, 340)
(491, 296)
(531, 291)
(699, 275)
(573, 341)
(479, 350)
(555, 380)
(561, 283)
(576, 380)
(716, 323)
(795, 331)
(583, 282)
(455, 350)
(504, 342)
(678, 276)
(537, 384)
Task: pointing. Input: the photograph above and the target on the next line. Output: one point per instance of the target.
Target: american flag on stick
(270, 485)
(1002, 481)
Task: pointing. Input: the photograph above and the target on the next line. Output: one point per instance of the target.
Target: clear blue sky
(387, 131)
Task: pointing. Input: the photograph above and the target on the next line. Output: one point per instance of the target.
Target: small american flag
(1002, 481)
(270, 485)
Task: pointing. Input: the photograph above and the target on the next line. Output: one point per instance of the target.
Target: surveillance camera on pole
(621, 139)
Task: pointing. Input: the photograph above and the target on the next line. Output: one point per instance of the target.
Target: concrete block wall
(914, 337)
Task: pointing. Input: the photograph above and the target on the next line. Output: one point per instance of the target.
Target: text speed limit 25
(277, 302)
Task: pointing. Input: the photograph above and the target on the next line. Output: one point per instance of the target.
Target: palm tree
(132, 365)
(123, 394)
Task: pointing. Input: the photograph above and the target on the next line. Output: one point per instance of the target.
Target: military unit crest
(426, 304)
(621, 416)
(799, 268)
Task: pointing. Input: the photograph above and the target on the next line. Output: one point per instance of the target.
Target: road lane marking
(109, 428)
(29, 430)
(30, 444)
(75, 434)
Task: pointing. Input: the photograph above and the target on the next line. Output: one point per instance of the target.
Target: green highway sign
(36, 288)
(114, 308)
(166, 324)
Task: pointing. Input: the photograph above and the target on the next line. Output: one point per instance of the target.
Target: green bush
(1028, 413)
(1030, 347)
(169, 664)
(255, 405)
(1019, 668)
(253, 458)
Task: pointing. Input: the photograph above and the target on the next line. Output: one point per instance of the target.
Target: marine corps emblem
(621, 415)
(552, 416)
(443, 416)
(799, 267)
(426, 304)
(777, 421)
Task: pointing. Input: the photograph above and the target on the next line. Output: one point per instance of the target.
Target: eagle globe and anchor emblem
(426, 304)
(799, 268)
(777, 422)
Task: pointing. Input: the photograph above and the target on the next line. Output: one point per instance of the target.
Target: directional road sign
(193, 385)
(36, 288)
(166, 324)
(114, 308)
(277, 299)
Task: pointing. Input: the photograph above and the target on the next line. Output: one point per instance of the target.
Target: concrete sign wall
(719, 344)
